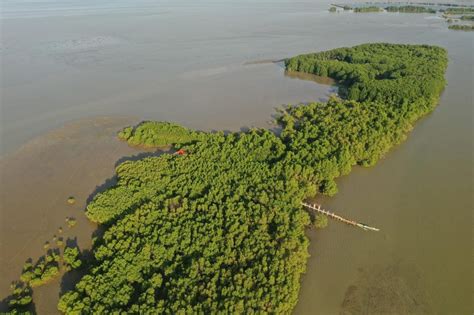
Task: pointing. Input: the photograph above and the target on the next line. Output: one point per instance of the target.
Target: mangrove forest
(218, 226)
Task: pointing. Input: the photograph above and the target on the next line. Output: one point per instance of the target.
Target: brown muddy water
(207, 65)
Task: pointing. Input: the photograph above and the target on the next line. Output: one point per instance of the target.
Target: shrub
(71, 257)
(321, 221)
(71, 222)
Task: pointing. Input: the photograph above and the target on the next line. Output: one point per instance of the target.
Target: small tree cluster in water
(44, 270)
(221, 228)
(36, 274)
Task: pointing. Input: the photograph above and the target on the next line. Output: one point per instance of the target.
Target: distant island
(216, 225)
(451, 12)
(405, 8)
(402, 9)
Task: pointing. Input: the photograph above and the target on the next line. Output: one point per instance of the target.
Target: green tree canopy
(221, 229)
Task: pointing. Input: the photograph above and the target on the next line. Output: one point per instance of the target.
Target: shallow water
(206, 65)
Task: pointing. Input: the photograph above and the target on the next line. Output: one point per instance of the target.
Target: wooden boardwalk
(317, 208)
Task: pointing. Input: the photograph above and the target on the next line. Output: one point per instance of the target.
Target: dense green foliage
(460, 27)
(221, 229)
(155, 134)
(410, 9)
(71, 257)
(467, 17)
(389, 86)
(332, 9)
(367, 9)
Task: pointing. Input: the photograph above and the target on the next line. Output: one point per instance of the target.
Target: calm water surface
(196, 63)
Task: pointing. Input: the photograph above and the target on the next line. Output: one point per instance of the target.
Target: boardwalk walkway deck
(317, 208)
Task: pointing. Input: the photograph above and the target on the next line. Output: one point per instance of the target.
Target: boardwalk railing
(317, 208)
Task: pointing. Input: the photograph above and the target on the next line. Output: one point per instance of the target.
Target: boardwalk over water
(317, 208)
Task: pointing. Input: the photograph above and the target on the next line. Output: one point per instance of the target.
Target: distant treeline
(367, 9)
(459, 10)
(460, 27)
(467, 17)
(406, 9)
(410, 9)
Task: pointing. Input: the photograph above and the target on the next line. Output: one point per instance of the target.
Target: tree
(71, 257)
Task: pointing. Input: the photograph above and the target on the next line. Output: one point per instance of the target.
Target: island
(217, 225)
